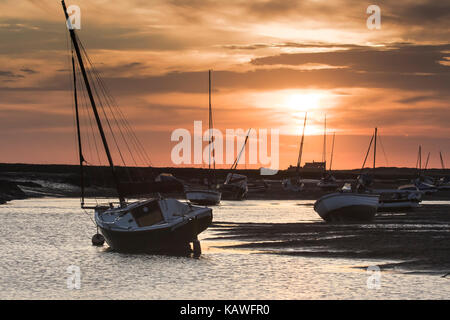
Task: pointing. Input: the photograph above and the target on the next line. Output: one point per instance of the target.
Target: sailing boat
(235, 186)
(390, 199)
(328, 181)
(209, 196)
(444, 182)
(422, 183)
(351, 206)
(151, 225)
(295, 183)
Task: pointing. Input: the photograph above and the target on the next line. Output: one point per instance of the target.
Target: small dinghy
(235, 187)
(423, 187)
(203, 197)
(328, 182)
(347, 207)
(394, 200)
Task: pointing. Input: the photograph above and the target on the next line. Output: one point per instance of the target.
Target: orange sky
(272, 61)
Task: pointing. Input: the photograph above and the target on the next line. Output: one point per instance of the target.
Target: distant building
(310, 167)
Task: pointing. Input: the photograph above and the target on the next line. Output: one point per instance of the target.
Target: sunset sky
(272, 61)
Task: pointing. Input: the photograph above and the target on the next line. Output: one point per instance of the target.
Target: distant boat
(390, 199)
(295, 183)
(152, 225)
(235, 186)
(347, 207)
(209, 196)
(328, 182)
(443, 183)
(423, 183)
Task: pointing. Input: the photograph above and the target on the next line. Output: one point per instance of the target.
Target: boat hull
(203, 197)
(347, 207)
(233, 192)
(173, 239)
(397, 205)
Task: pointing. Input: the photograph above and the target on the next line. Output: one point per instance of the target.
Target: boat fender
(98, 240)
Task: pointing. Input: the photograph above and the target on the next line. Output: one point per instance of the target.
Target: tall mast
(211, 137)
(80, 150)
(442, 160)
(324, 152)
(426, 163)
(332, 150)
(375, 147)
(300, 152)
(91, 98)
(420, 159)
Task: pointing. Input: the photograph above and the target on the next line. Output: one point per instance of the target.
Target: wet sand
(419, 240)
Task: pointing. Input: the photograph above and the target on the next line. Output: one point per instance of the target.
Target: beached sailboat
(349, 206)
(328, 182)
(210, 196)
(295, 183)
(151, 225)
(235, 186)
(390, 199)
(423, 183)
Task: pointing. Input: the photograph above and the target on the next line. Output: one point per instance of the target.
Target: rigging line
(382, 149)
(95, 169)
(109, 104)
(100, 102)
(137, 144)
(94, 73)
(367, 154)
(114, 102)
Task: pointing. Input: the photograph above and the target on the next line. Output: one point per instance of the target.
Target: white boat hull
(204, 197)
(342, 207)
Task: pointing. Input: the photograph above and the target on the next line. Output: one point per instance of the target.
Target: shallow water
(41, 238)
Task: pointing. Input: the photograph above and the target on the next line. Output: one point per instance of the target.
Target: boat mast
(324, 152)
(442, 160)
(426, 163)
(91, 98)
(80, 150)
(419, 160)
(240, 153)
(332, 151)
(375, 148)
(300, 152)
(211, 137)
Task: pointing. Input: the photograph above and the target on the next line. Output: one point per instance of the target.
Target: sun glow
(303, 102)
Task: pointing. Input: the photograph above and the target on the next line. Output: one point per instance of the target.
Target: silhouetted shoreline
(20, 181)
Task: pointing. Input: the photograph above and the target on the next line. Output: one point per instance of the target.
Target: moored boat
(152, 225)
(207, 196)
(393, 200)
(347, 207)
(203, 196)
